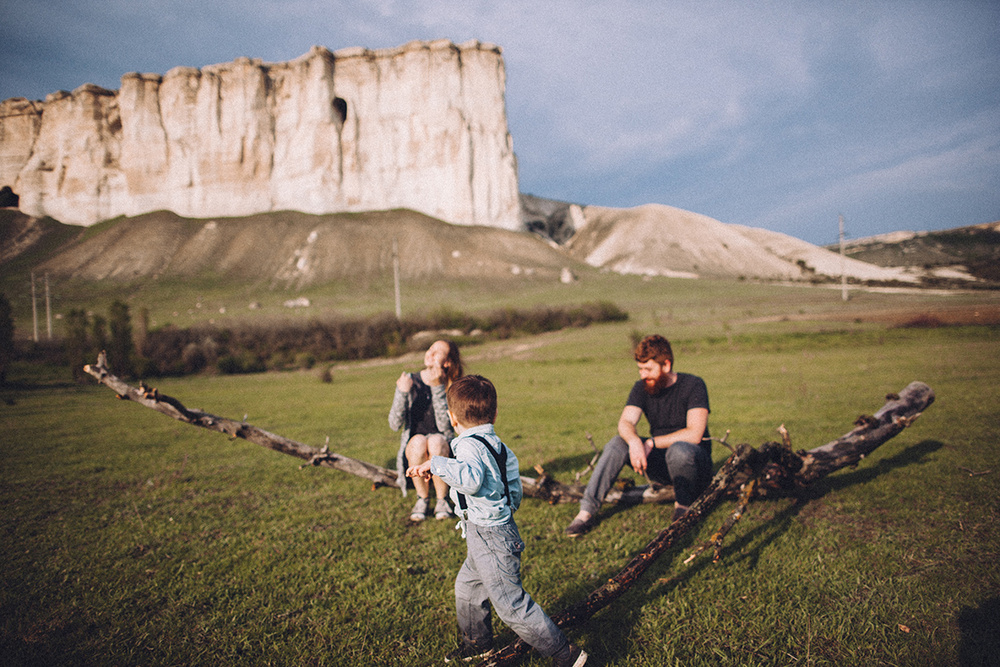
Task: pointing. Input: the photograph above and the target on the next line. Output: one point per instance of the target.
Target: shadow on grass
(41, 385)
(980, 643)
(611, 632)
(608, 634)
(909, 456)
(768, 532)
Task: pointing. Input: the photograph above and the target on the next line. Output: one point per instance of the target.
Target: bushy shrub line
(88, 334)
(253, 348)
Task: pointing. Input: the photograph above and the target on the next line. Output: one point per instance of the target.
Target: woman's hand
(404, 383)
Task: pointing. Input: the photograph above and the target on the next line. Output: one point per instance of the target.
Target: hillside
(26, 241)
(293, 249)
(667, 241)
(972, 250)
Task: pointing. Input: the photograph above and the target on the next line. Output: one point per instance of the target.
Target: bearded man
(679, 449)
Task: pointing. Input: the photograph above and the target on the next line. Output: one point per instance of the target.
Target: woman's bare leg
(437, 445)
(417, 453)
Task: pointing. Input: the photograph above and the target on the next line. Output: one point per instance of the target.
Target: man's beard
(656, 386)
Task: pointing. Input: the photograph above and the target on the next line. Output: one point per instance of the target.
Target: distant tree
(98, 334)
(77, 343)
(121, 348)
(142, 330)
(6, 338)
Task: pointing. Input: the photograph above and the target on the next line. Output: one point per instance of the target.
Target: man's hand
(422, 470)
(404, 383)
(637, 454)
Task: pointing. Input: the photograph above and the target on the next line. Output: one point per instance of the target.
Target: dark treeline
(250, 348)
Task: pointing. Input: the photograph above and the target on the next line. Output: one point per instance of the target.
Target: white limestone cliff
(421, 126)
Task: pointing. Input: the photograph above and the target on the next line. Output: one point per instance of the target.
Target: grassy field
(685, 307)
(131, 539)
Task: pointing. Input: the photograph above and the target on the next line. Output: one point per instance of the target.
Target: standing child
(486, 483)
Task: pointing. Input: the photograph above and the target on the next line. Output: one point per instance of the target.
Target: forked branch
(774, 469)
(771, 470)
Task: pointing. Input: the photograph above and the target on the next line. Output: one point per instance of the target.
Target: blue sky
(781, 115)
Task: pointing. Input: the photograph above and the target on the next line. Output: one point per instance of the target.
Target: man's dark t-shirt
(666, 411)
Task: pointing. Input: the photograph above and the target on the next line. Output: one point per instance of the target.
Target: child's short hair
(472, 399)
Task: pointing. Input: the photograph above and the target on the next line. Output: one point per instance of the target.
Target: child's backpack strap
(501, 459)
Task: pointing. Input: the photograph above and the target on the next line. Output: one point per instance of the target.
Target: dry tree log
(319, 456)
(544, 487)
(772, 470)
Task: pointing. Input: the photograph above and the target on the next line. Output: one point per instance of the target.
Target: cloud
(772, 113)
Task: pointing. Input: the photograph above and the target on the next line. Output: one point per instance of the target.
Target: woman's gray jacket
(399, 418)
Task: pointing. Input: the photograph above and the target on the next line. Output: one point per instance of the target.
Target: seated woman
(420, 409)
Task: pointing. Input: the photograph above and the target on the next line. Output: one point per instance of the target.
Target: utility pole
(34, 310)
(843, 269)
(48, 306)
(395, 277)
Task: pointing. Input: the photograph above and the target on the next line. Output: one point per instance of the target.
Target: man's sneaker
(419, 511)
(442, 509)
(580, 526)
(577, 658)
(467, 653)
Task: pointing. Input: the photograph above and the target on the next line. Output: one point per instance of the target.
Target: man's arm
(697, 423)
(637, 449)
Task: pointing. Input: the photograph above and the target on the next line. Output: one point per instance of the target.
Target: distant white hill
(655, 239)
(822, 261)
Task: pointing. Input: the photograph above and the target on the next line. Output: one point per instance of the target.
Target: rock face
(422, 126)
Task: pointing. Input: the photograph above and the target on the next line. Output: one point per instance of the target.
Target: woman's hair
(452, 364)
(473, 400)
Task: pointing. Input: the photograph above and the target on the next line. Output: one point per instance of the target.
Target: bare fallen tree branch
(798, 471)
(544, 487)
(773, 469)
(171, 407)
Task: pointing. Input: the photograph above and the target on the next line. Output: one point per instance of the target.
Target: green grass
(131, 539)
(684, 307)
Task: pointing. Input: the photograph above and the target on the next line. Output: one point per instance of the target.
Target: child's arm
(514, 479)
(465, 472)
(465, 476)
(516, 492)
(422, 470)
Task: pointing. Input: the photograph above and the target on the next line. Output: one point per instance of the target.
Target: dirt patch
(930, 317)
(916, 316)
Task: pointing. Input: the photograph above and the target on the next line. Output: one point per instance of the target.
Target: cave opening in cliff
(8, 198)
(340, 108)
